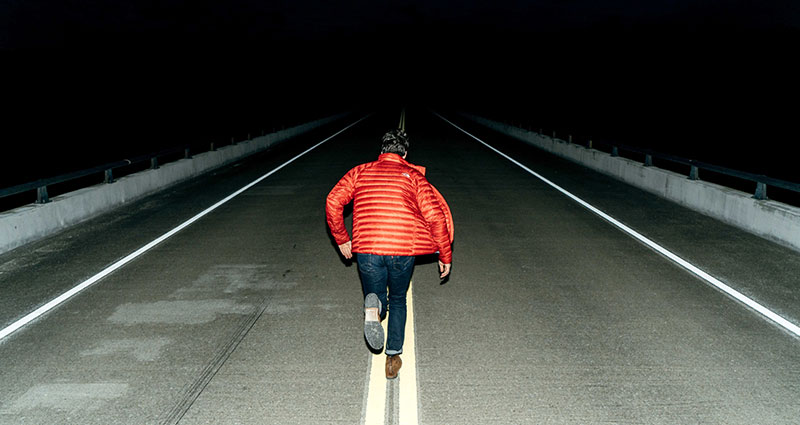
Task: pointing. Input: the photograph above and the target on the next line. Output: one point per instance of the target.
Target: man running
(397, 215)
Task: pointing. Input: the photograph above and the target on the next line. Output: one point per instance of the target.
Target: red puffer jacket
(395, 210)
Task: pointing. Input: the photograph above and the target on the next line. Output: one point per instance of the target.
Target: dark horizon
(685, 78)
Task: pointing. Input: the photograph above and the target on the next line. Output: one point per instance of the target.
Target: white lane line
(8, 330)
(407, 403)
(769, 314)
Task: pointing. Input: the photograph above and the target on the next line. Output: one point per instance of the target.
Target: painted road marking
(8, 330)
(407, 403)
(767, 313)
(406, 382)
(402, 125)
(376, 395)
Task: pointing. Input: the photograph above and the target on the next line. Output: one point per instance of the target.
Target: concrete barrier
(766, 218)
(36, 221)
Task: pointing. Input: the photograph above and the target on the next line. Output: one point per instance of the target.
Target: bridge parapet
(35, 221)
(772, 220)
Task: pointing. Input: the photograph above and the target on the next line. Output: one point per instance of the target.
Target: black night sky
(88, 81)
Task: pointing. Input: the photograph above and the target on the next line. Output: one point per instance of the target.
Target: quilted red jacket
(396, 211)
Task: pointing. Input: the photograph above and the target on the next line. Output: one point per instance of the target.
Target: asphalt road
(551, 315)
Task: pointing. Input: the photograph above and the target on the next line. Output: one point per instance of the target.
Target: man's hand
(444, 270)
(347, 249)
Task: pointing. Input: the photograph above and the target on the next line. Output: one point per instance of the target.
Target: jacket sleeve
(339, 196)
(434, 215)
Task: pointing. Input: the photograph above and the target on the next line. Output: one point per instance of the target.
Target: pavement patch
(234, 278)
(176, 312)
(66, 397)
(142, 349)
(284, 308)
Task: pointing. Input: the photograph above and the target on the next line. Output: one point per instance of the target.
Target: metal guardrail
(40, 186)
(761, 181)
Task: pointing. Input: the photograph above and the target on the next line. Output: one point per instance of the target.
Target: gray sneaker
(373, 331)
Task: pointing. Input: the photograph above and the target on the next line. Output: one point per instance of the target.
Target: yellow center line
(376, 395)
(406, 380)
(407, 403)
(407, 377)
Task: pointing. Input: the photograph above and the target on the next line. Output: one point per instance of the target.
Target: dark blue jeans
(379, 272)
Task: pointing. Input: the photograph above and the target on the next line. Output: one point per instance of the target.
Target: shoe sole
(373, 331)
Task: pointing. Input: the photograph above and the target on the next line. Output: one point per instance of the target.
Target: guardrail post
(614, 151)
(154, 163)
(569, 137)
(212, 147)
(41, 195)
(109, 176)
(648, 160)
(761, 191)
(694, 173)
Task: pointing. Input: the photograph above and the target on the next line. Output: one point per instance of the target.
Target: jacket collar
(397, 158)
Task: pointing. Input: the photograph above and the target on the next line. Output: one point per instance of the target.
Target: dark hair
(395, 141)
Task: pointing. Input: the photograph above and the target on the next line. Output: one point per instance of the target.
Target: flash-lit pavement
(551, 315)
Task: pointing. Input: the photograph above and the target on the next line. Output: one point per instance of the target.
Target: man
(397, 215)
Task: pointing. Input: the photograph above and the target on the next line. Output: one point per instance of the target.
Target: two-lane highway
(249, 316)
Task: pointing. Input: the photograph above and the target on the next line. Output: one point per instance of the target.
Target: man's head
(395, 141)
